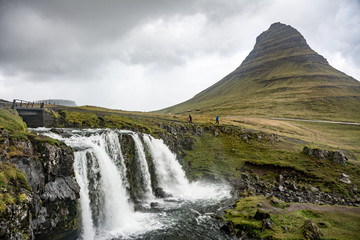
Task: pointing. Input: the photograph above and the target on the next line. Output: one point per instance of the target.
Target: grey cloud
(106, 42)
(71, 39)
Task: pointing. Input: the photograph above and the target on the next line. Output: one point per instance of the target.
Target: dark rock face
(51, 212)
(335, 156)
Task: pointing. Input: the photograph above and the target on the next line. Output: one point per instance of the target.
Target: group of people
(190, 119)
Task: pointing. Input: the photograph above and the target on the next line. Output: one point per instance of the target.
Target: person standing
(190, 119)
(217, 120)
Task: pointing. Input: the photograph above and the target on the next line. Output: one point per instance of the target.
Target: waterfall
(113, 148)
(169, 173)
(80, 168)
(171, 177)
(143, 167)
(103, 173)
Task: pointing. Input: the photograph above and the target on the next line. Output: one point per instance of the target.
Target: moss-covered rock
(38, 191)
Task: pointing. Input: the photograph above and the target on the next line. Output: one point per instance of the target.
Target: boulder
(244, 176)
(311, 231)
(338, 157)
(266, 224)
(261, 214)
(154, 204)
(345, 178)
(160, 193)
(139, 208)
(335, 156)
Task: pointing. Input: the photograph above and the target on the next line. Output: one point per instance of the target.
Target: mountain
(281, 77)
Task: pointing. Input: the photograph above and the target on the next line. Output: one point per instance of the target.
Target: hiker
(189, 119)
(217, 120)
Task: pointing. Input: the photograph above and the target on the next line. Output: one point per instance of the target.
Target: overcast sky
(147, 55)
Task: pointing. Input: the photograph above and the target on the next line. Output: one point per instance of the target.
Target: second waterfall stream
(133, 187)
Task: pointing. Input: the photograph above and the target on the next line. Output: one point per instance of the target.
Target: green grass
(335, 222)
(226, 154)
(13, 123)
(322, 135)
(81, 119)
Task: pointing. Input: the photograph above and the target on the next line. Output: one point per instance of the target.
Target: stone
(227, 228)
(338, 157)
(281, 188)
(292, 186)
(345, 178)
(244, 176)
(275, 201)
(286, 229)
(57, 130)
(261, 214)
(244, 138)
(311, 231)
(314, 189)
(160, 193)
(335, 156)
(343, 175)
(154, 204)
(139, 208)
(320, 154)
(267, 224)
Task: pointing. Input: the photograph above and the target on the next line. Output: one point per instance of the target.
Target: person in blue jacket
(217, 120)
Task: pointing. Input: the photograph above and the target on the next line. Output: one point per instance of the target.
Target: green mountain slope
(281, 77)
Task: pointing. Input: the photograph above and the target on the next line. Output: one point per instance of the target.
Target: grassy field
(334, 222)
(325, 135)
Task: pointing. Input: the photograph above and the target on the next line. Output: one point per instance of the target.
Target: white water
(113, 148)
(171, 177)
(82, 179)
(143, 167)
(100, 167)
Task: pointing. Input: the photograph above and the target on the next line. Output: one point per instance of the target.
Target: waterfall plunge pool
(119, 171)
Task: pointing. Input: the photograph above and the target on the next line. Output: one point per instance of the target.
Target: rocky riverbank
(256, 212)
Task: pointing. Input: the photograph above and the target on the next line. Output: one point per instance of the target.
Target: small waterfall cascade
(143, 167)
(117, 170)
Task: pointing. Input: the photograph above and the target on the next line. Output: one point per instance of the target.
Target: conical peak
(280, 41)
(281, 32)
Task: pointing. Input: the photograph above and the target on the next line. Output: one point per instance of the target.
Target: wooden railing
(18, 103)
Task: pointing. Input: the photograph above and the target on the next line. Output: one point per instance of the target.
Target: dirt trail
(324, 208)
(309, 206)
(295, 119)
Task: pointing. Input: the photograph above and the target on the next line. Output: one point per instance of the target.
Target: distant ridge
(62, 102)
(281, 77)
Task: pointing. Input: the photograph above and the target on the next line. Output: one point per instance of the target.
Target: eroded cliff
(38, 188)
